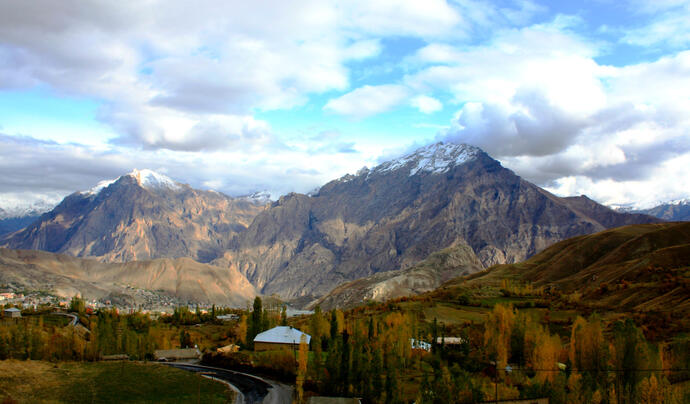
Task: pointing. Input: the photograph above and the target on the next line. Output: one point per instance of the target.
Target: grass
(105, 382)
(449, 315)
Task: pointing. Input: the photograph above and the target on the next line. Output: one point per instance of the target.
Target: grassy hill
(640, 270)
(105, 382)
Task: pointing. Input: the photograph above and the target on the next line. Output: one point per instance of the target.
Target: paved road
(253, 389)
(74, 317)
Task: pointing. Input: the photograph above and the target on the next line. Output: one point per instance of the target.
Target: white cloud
(368, 100)
(41, 170)
(426, 104)
(555, 116)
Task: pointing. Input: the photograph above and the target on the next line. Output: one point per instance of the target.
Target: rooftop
(281, 335)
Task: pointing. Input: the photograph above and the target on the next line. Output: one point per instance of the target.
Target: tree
(283, 316)
(257, 321)
(185, 339)
(77, 305)
(630, 355)
(302, 367)
(588, 351)
(542, 351)
(345, 364)
(497, 333)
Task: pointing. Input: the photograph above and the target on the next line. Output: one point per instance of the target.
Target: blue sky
(583, 97)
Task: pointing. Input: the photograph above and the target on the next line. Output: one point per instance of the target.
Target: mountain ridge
(395, 215)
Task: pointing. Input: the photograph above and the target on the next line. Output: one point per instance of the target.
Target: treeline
(28, 338)
(512, 356)
(523, 359)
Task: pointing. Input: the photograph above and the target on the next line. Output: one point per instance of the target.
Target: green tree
(77, 305)
(257, 320)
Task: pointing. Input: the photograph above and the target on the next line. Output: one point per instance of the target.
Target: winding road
(251, 389)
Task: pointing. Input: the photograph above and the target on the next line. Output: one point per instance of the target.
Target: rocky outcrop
(426, 276)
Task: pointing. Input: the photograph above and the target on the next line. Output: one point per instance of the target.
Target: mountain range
(140, 216)
(388, 218)
(674, 211)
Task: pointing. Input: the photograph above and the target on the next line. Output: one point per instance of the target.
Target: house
(417, 344)
(281, 337)
(450, 341)
(177, 355)
(228, 317)
(13, 312)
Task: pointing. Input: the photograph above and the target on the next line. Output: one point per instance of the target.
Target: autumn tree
(302, 367)
(497, 333)
(588, 352)
(542, 351)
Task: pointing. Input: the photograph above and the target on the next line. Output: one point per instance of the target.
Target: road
(253, 389)
(74, 317)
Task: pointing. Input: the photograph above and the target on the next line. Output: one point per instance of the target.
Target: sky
(588, 97)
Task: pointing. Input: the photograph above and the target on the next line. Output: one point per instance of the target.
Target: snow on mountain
(99, 187)
(11, 208)
(646, 206)
(436, 158)
(261, 197)
(150, 179)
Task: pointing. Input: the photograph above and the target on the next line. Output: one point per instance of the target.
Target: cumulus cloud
(426, 104)
(368, 100)
(552, 115)
(32, 169)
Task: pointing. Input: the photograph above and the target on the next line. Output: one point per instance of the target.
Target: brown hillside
(639, 267)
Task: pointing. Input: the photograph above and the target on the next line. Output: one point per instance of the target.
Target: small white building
(281, 337)
(417, 344)
(13, 312)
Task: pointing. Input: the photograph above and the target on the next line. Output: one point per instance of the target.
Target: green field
(105, 382)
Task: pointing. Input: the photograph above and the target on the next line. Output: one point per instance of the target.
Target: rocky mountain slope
(12, 224)
(140, 216)
(395, 215)
(675, 211)
(14, 217)
(428, 275)
(383, 219)
(182, 278)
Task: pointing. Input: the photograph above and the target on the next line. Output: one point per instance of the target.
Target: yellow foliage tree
(650, 391)
(542, 351)
(302, 359)
(241, 330)
(498, 328)
(587, 344)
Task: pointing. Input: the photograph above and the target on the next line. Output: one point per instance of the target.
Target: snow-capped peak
(435, 158)
(260, 197)
(150, 179)
(11, 207)
(99, 187)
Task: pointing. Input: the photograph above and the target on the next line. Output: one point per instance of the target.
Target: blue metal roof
(282, 335)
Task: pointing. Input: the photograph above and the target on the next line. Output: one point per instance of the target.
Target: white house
(281, 337)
